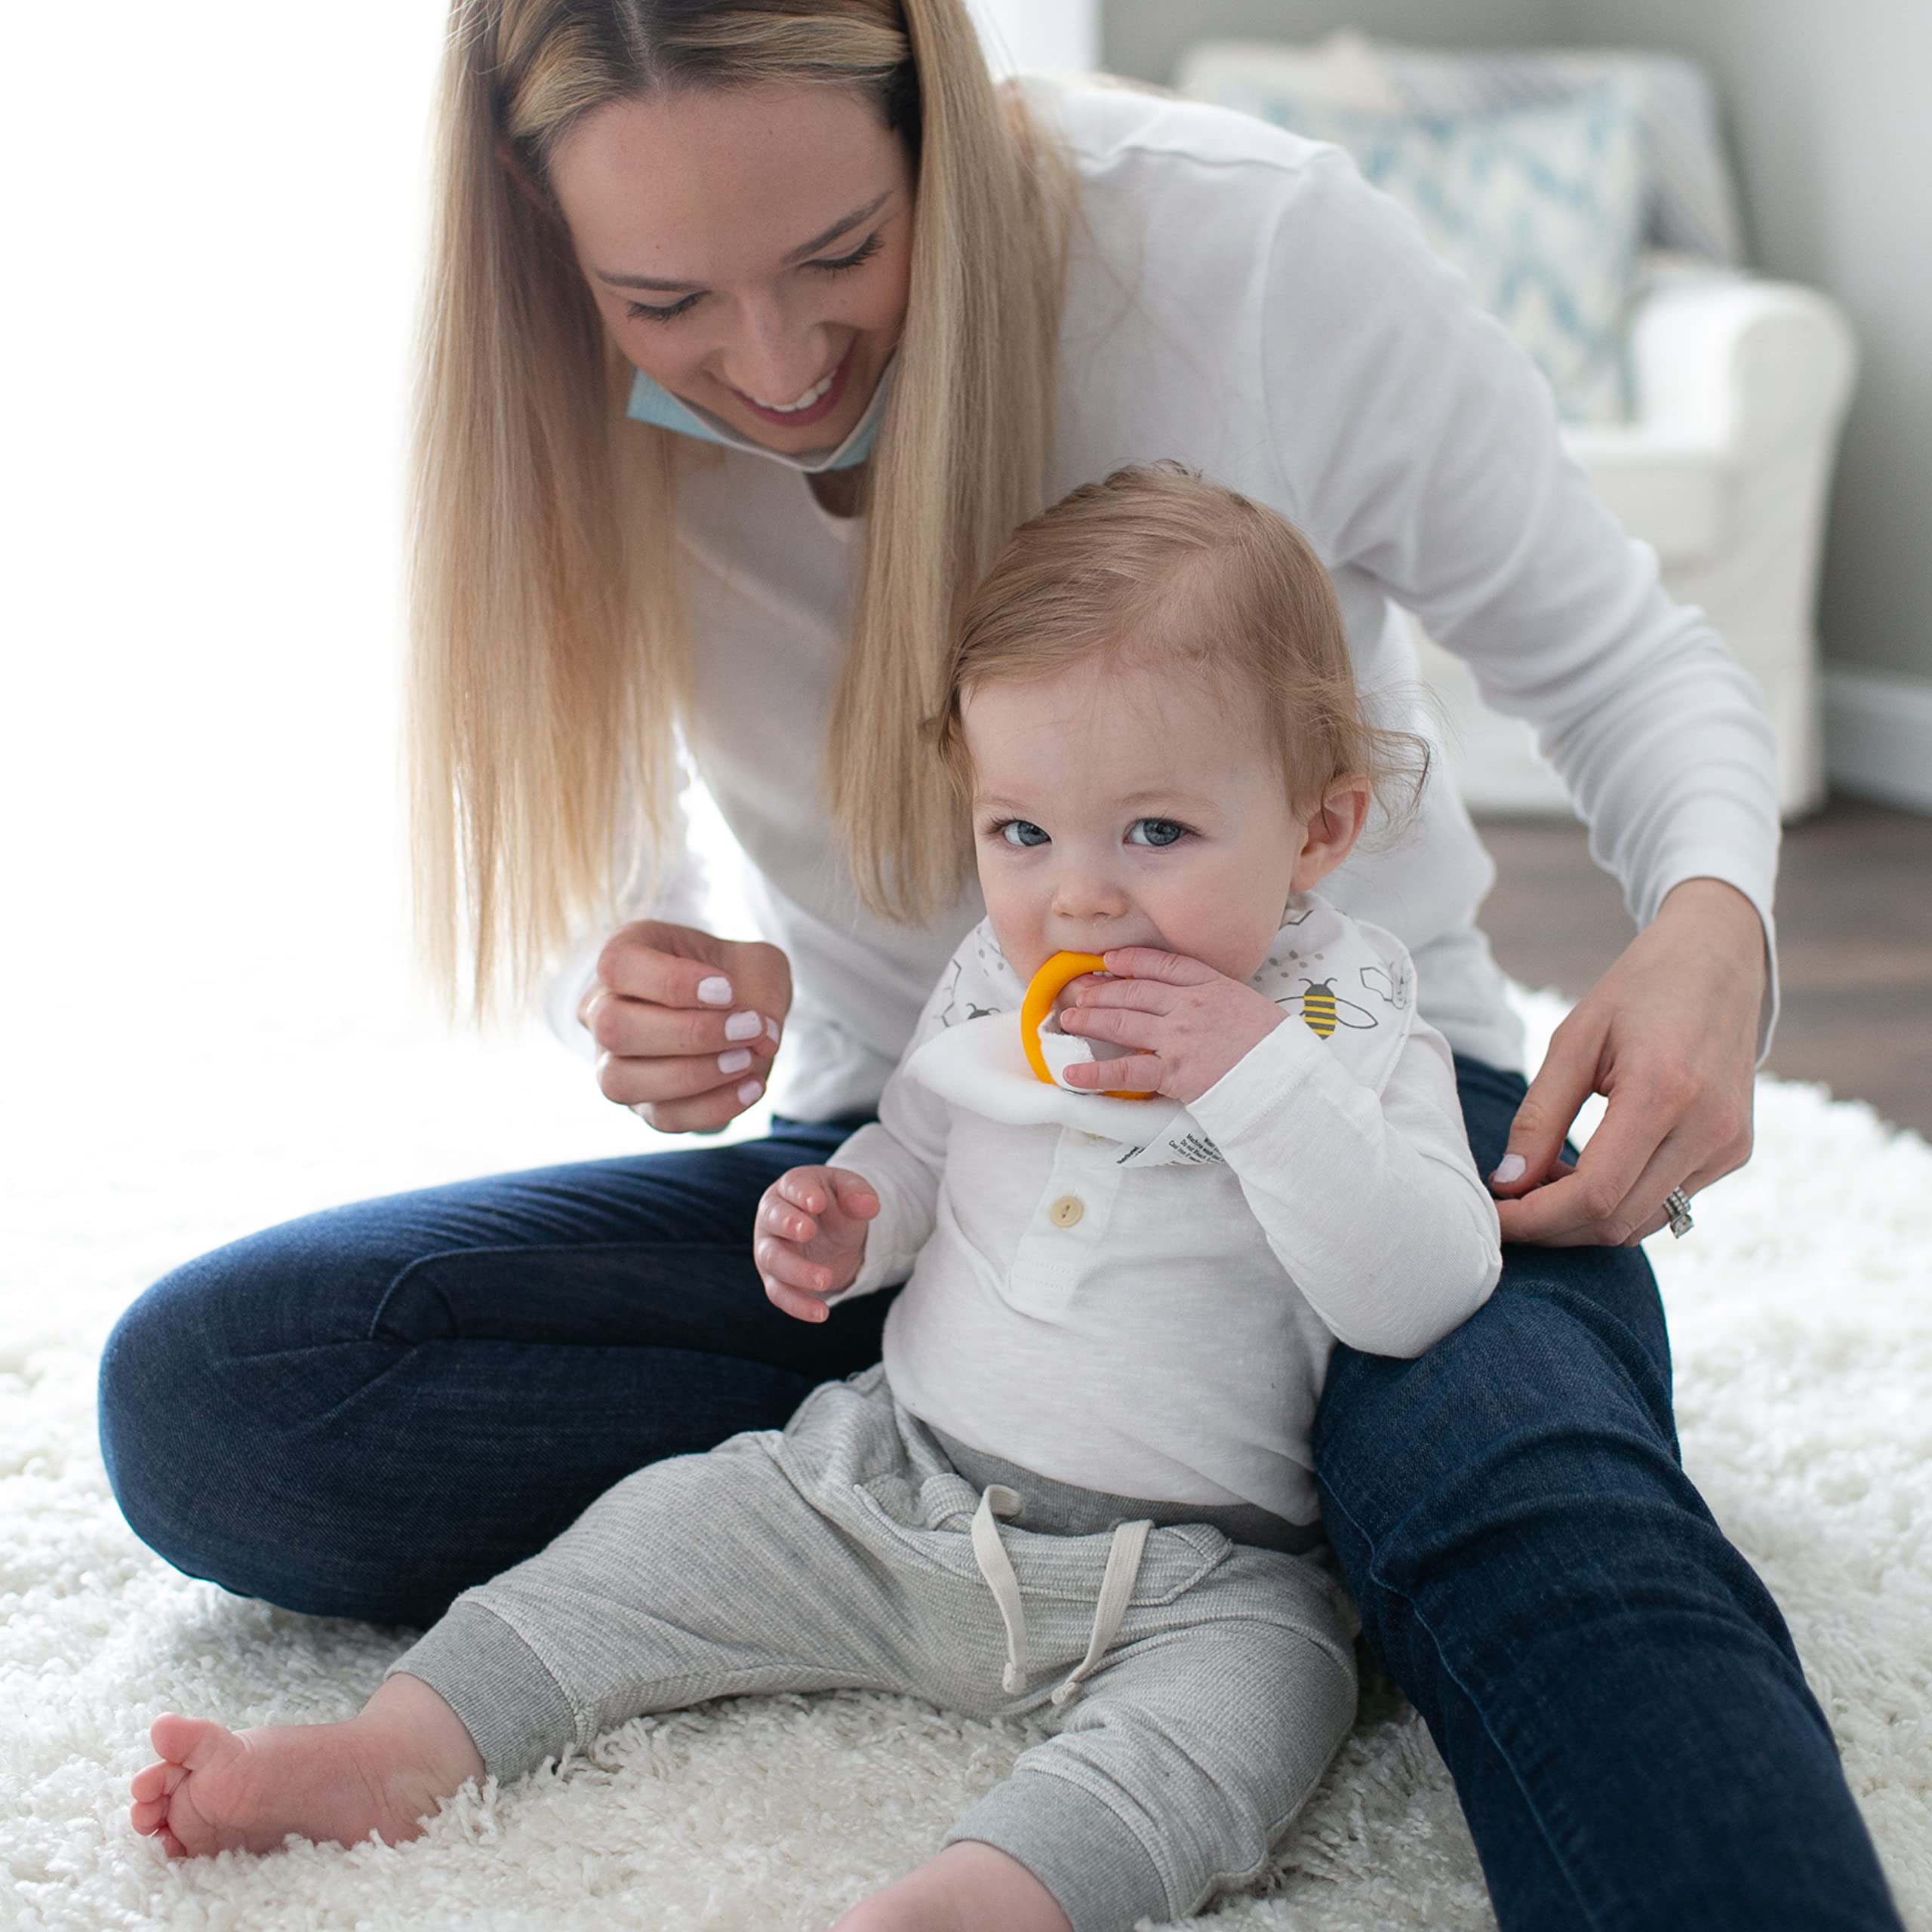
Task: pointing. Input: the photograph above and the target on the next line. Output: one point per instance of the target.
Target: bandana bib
(1350, 983)
(652, 402)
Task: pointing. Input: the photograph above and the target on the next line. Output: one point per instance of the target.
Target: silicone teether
(1042, 992)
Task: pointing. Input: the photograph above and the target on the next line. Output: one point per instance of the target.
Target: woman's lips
(799, 419)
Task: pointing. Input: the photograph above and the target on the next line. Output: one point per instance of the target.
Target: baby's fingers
(791, 1283)
(808, 1188)
(1138, 1073)
(852, 1195)
(777, 1216)
(836, 1194)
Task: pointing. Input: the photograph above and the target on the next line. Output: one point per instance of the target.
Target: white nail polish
(736, 1061)
(715, 992)
(1509, 1168)
(750, 1090)
(771, 1027)
(744, 1026)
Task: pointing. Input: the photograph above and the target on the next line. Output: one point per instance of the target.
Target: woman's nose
(775, 361)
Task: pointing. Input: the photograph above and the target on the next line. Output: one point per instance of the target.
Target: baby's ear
(1332, 832)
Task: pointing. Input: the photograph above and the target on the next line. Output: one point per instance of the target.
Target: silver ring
(1676, 1205)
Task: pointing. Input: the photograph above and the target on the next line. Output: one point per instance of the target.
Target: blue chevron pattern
(1542, 207)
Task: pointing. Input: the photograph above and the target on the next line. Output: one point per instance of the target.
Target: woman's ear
(1331, 833)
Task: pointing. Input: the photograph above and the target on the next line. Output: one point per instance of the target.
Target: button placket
(1076, 1202)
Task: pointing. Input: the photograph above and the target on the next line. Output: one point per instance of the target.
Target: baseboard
(1878, 736)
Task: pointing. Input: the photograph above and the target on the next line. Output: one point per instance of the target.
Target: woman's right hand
(686, 1024)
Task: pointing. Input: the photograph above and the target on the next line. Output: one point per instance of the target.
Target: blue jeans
(362, 1412)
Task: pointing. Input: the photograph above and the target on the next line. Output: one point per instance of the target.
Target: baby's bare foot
(217, 1790)
(968, 1886)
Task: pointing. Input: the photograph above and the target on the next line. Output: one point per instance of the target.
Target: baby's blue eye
(1159, 831)
(1021, 832)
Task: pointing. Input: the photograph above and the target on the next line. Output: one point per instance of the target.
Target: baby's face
(1118, 804)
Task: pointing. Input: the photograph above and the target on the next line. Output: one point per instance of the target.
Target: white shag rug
(1802, 1311)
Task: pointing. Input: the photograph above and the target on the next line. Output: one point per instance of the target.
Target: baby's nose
(1090, 895)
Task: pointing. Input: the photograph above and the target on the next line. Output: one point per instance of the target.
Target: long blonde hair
(549, 661)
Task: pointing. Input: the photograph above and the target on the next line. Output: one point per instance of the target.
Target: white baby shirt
(1140, 1297)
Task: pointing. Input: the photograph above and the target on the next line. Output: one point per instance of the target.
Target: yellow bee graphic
(1324, 1009)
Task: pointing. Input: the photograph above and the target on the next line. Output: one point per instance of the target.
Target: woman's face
(749, 249)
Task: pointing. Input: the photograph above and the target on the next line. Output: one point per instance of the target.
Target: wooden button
(1067, 1211)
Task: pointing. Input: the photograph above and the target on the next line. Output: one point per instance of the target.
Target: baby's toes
(187, 1742)
(149, 1815)
(156, 1780)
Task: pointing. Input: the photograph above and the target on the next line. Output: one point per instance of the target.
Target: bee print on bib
(1324, 1009)
(1387, 983)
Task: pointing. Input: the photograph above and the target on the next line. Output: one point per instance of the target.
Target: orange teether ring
(1042, 991)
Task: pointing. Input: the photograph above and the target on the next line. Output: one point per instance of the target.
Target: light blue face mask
(652, 402)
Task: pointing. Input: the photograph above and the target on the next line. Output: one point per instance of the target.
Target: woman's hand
(686, 1024)
(1669, 1036)
(1190, 1024)
(809, 1237)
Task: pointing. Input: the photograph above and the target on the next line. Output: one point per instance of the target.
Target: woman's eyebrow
(840, 227)
(843, 225)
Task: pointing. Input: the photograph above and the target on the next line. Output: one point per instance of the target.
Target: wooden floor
(1854, 912)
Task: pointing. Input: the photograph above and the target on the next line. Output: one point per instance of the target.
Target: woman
(689, 249)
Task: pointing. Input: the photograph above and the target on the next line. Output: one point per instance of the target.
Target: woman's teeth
(805, 401)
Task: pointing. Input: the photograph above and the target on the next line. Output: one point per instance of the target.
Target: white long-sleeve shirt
(1238, 298)
(1141, 1298)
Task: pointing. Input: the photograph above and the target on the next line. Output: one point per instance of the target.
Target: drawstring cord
(1123, 1570)
(995, 1566)
(1116, 1588)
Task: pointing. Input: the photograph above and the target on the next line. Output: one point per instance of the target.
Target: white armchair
(1742, 385)
(1739, 387)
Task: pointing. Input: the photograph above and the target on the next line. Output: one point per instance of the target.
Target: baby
(1079, 1486)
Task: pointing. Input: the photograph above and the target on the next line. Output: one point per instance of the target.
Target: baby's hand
(1191, 1023)
(809, 1237)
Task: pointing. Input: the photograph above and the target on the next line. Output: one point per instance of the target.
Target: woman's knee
(155, 1382)
(198, 1381)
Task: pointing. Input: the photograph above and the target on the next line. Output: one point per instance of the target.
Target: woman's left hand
(1669, 1036)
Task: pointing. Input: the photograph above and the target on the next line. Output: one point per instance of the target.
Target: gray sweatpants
(1213, 1680)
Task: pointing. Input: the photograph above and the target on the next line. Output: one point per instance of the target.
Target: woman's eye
(863, 254)
(643, 312)
(1021, 832)
(1159, 832)
(649, 312)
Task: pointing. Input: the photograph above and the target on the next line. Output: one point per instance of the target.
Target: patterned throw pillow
(1541, 206)
(1694, 205)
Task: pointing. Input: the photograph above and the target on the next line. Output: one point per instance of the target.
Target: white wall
(1051, 35)
(215, 244)
(1143, 38)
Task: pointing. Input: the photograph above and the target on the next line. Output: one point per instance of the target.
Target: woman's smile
(818, 402)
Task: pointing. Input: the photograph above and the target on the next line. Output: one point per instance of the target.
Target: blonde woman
(754, 327)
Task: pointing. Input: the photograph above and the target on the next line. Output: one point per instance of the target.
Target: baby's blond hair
(1157, 563)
